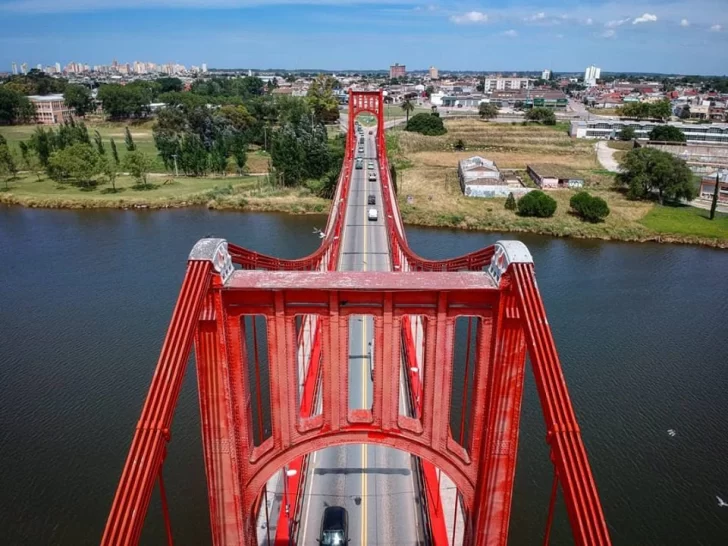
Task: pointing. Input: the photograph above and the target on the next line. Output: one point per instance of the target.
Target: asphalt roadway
(375, 484)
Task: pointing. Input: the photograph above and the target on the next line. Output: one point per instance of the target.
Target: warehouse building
(552, 177)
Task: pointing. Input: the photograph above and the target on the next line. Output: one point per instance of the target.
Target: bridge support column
(220, 388)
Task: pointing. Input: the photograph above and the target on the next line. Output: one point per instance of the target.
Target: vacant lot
(427, 173)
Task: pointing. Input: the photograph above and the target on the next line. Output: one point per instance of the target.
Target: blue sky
(689, 36)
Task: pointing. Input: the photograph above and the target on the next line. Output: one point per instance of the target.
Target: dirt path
(605, 155)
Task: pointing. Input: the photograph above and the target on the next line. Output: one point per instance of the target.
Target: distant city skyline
(686, 36)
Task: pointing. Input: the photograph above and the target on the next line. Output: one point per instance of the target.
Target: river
(85, 300)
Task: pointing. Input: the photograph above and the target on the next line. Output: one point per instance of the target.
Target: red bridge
(403, 375)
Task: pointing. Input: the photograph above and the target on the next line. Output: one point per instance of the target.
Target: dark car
(371, 200)
(334, 526)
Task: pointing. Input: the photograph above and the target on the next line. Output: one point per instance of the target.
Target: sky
(685, 37)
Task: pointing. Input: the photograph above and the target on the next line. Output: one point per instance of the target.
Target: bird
(671, 431)
(721, 502)
(318, 232)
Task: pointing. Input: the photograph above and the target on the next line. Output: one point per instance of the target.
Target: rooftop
(45, 98)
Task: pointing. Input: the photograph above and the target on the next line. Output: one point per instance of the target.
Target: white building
(591, 75)
(506, 84)
(480, 177)
(15, 69)
(434, 73)
(546, 74)
(58, 68)
(204, 67)
(604, 128)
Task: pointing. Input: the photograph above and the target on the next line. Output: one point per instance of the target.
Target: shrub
(627, 133)
(459, 145)
(511, 202)
(537, 203)
(590, 208)
(426, 124)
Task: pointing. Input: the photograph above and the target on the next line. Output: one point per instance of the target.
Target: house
(480, 177)
(50, 109)
(707, 186)
(549, 176)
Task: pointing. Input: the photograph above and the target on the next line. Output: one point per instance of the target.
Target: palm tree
(407, 106)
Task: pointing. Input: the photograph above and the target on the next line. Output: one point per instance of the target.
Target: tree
(542, 115)
(130, 146)
(114, 151)
(138, 164)
(536, 203)
(590, 208)
(287, 155)
(661, 110)
(459, 145)
(646, 171)
(238, 116)
(125, 101)
(108, 169)
(716, 191)
(321, 98)
(7, 164)
(79, 162)
(14, 107)
(487, 110)
(238, 148)
(99, 143)
(627, 133)
(510, 202)
(667, 133)
(408, 107)
(426, 124)
(78, 97)
(169, 84)
(685, 112)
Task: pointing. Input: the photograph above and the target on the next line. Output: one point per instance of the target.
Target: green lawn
(142, 135)
(28, 190)
(686, 220)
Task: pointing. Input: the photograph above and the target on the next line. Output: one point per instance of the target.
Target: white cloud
(470, 18)
(559, 36)
(608, 33)
(617, 22)
(540, 16)
(589, 21)
(716, 28)
(684, 23)
(510, 33)
(645, 18)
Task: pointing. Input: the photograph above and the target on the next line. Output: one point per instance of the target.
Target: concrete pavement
(375, 484)
(605, 155)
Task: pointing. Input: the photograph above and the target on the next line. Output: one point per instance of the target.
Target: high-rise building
(204, 67)
(397, 71)
(506, 84)
(434, 73)
(24, 68)
(591, 75)
(546, 74)
(15, 69)
(58, 68)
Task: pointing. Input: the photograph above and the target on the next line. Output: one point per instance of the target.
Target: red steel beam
(149, 443)
(567, 448)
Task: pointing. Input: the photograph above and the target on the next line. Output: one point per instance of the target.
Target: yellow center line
(364, 394)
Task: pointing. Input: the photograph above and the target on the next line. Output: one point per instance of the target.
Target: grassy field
(510, 146)
(250, 193)
(141, 133)
(427, 172)
(686, 220)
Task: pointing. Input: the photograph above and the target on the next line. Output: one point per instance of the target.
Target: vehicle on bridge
(371, 200)
(334, 526)
(372, 177)
(373, 214)
(361, 149)
(359, 163)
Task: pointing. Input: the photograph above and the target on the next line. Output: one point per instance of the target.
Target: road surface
(605, 154)
(375, 484)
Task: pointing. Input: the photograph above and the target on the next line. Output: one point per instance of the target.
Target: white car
(372, 177)
(373, 214)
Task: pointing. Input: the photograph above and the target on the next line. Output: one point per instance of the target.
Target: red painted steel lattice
(494, 288)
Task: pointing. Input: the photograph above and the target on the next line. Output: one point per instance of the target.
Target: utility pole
(176, 173)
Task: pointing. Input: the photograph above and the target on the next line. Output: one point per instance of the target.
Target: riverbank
(252, 193)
